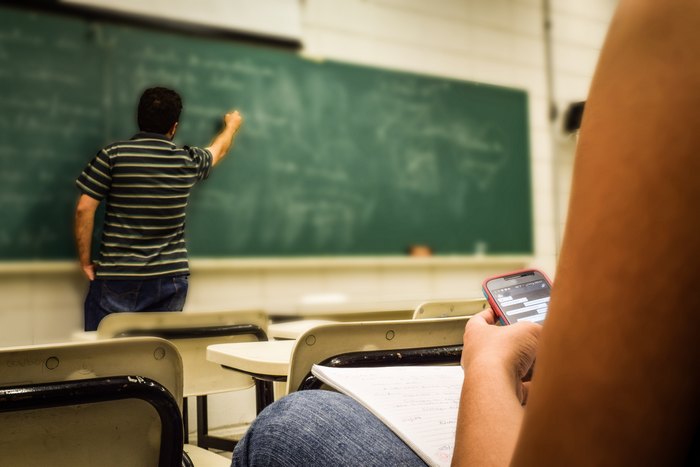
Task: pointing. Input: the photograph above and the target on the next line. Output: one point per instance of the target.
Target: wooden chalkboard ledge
(342, 262)
(38, 267)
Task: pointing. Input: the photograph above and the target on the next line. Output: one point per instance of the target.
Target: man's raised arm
(224, 140)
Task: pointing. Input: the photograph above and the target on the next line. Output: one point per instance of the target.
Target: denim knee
(320, 428)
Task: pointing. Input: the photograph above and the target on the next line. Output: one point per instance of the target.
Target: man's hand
(89, 271)
(233, 120)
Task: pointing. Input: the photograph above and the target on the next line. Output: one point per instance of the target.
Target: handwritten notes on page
(419, 403)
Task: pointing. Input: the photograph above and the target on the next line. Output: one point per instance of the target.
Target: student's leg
(320, 428)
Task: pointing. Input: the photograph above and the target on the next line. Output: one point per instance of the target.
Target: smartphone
(519, 296)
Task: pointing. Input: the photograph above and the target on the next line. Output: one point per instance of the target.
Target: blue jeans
(321, 428)
(115, 296)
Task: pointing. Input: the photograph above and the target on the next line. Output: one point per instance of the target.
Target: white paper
(419, 403)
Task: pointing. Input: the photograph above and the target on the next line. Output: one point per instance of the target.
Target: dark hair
(159, 109)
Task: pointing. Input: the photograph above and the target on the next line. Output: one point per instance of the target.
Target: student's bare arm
(617, 367)
(494, 359)
(84, 225)
(224, 140)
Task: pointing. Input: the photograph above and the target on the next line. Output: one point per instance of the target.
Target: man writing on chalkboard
(146, 182)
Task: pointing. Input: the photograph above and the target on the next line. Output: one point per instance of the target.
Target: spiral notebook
(418, 403)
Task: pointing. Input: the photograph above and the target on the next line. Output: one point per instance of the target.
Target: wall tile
(575, 30)
(224, 290)
(402, 284)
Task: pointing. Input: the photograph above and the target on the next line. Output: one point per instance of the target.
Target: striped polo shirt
(146, 182)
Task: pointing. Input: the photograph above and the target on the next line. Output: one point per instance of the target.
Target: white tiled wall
(492, 41)
(578, 31)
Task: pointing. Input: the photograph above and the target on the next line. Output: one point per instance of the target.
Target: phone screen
(526, 301)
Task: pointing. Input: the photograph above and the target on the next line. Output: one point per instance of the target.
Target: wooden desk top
(270, 358)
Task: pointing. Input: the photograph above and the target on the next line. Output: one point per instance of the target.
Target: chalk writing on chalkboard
(333, 158)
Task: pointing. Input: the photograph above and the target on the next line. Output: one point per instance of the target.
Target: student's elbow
(86, 205)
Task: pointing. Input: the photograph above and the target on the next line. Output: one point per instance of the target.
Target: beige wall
(491, 41)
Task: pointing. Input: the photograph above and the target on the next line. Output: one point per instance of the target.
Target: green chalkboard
(333, 159)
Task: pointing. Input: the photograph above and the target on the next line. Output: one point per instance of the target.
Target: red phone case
(492, 301)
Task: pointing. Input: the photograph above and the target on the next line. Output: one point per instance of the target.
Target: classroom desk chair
(108, 403)
(367, 343)
(191, 333)
(375, 343)
(351, 311)
(448, 308)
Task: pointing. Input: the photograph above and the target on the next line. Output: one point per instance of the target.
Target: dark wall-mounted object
(573, 117)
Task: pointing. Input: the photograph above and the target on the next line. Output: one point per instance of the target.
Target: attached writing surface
(419, 403)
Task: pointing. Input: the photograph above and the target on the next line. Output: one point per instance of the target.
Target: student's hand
(501, 348)
(233, 120)
(89, 271)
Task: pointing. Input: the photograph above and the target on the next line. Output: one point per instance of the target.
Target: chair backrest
(191, 333)
(110, 403)
(449, 308)
(331, 340)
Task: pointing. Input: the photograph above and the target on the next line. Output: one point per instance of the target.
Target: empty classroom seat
(191, 333)
(108, 403)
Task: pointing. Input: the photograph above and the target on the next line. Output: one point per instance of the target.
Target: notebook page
(419, 403)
